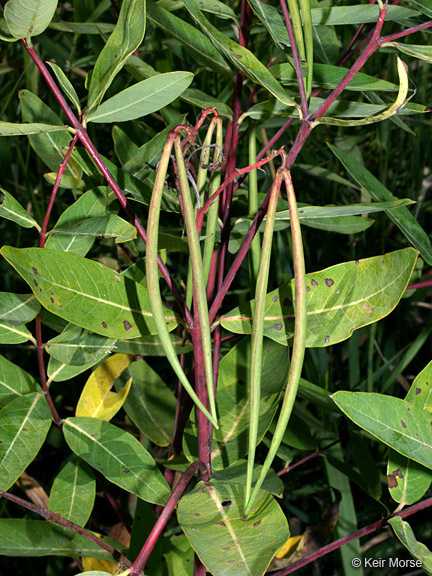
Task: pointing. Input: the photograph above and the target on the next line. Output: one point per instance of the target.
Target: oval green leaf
(27, 18)
(212, 517)
(17, 309)
(24, 424)
(116, 454)
(11, 209)
(73, 492)
(143, 98)
(85, 292)
(14, 381)
(399, 424)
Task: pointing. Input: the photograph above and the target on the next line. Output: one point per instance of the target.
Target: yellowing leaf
(97, 400)
(108, 566)
(289, 547)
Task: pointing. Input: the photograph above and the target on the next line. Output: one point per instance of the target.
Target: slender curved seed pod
(152, 272)
(297, 26)
(299, 339)
(200, 184)
(258, 330)
(197, 274)
(255, 249)
(308, 42)
(212, 215)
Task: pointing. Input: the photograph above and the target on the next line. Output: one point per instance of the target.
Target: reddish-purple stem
(88, 144)
(177, 493)
(354, 536)
(57, 519)
(425, 284)
(306, 459)
(407, 32)
(296, 58)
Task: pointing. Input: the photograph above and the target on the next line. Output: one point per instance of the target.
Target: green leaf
(402, 426)
(407, 480)
(98, 28)
(178, 556)
(230, 441)
(60, 372)
(340, 299)
(217, 8)
(12, 210)
(48, 146)
(92, 204)
(236, 474)
(327, 76)
(402, 217)
(73, 492)
(13, 129)
(24, 424)
(66, 85)
(5, 32)
(240, 57)
(357, 14)
(416, 51)
(10, 334)
(34, 538)
(14, 381)
(116, 454)
(212, 517)
(125, 39)
(110, 226)
(125, 148)
(151, 346)
(191, 38)
(273, 21)
(424, 6)
(150, 404)
(143, 98)
(419, 551)
(85, 292)
(77, 347)
(17, 309)
(322, 212)
(27, 18)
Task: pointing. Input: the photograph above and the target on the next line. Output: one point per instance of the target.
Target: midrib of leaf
(35, 401)
(12, 329)
(30, 220)
(227, 523)
(228, 435)
(146, 97)
(313, 312)
(92, 439)
(150, 416)
(101, 300)
(2, 383)
(387, 427)
(73, 493)
(20, 305)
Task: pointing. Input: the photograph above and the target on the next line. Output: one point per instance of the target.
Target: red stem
(306, 459)
(354, 536)
(57, 519)
(143, 556)
(407, 32)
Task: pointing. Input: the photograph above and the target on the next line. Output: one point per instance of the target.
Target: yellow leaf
(102, 565)
(289, 547)
(97, 400)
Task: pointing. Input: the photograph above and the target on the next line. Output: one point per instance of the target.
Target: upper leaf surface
(85, 292)
(27, 18)
(125, 39)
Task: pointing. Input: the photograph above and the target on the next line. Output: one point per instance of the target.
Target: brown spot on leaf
(221, 524)
(275, 298)
(127, 325)
(329, 282)
(35, 271)
(314, 282)
(226, 549)
(226, 503)
(307, 288)
(356, 262)
(392, 478)
(403, 424)
(197, 514)
(277, 326)
(418, 391)
(35, 282)
(257, 523)
(52, 299)
(327, 339)
(126, 470)
(104, 325)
